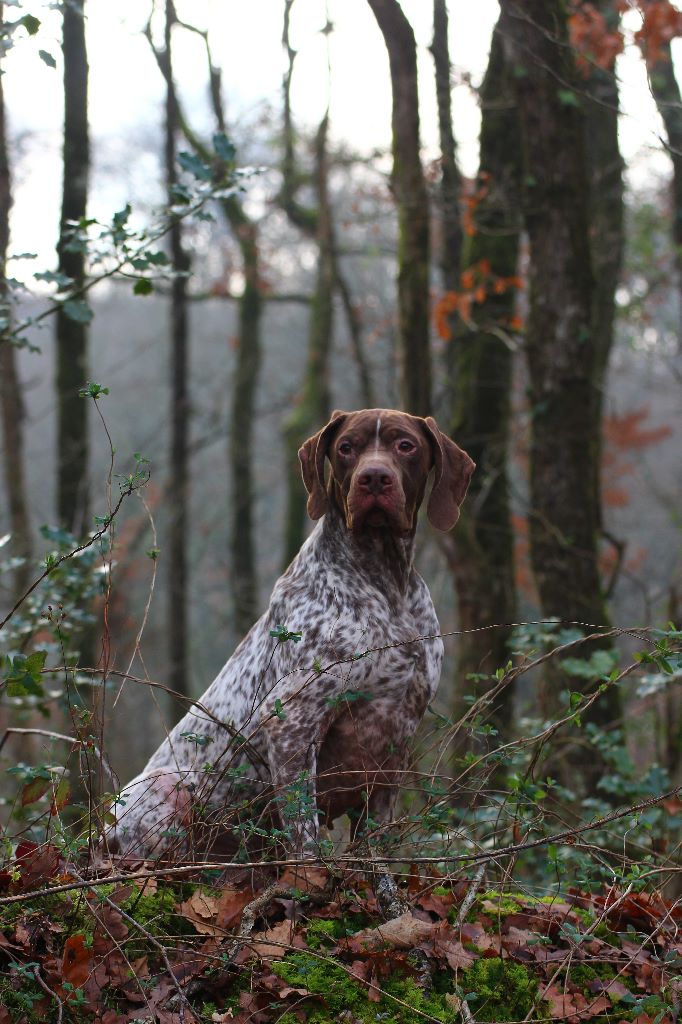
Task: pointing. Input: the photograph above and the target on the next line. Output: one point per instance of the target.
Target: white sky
(126, 91)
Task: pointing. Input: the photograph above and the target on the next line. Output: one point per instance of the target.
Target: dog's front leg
(292, 757)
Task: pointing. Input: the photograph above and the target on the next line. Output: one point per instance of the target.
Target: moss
(338, 991)
(582, 974)
(19, 1002)
(321, 932)
(499, 990)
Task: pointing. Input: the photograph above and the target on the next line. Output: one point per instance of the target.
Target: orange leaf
(77, 961)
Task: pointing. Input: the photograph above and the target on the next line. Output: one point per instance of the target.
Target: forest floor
(318, 945)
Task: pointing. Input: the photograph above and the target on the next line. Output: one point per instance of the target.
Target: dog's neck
(374, 552)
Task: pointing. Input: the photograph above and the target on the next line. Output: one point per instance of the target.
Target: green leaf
(120, 219)
(93, 390)
(157, 259)
(30, 23)
(195, 166)
(24, 674)
(78, 310)
(279, 710)
(47, 58)
(54, 277)
(33, 791)
(61, 796)
(224, 149)
(568, 98)
(143, 287)
(181, 194)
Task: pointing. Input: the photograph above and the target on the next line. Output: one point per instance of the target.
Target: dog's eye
(406, 446)
(345, 448)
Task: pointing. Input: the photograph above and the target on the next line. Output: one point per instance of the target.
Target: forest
(219, 223)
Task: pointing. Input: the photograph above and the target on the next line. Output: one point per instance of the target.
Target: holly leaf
(78, 310)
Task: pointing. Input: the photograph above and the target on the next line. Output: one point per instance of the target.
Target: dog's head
(380, 462)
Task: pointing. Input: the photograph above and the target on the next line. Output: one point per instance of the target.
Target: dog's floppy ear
(453, 470)
(312, 454)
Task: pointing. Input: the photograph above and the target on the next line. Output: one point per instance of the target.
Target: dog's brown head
(380, 462)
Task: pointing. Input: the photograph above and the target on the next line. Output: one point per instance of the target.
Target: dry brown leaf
(305, 877)
(475, 934)
(374, 993)
(264, 942)
(214, 915)
(438, 905)
(561, 1004)
(404, 932)
(447, 945)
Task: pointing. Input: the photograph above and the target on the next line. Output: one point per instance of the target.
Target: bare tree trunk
(482, 547)
(605, 171)
(243, 581)
(11, 404)
(178, 524)
(242, 418)
(666, 93)
(451, 179)
(411, 199)
(561, 347)
(72, 335)
(313, 402)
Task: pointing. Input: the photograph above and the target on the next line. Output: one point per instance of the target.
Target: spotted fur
(319, 725)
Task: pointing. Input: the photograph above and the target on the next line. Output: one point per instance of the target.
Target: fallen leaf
(264, 942)
(404, 932)
(305, 877)
(474, 933)
(438, 905)
(447, 946)
(214, 915)
(561, 1004)
(77, 961)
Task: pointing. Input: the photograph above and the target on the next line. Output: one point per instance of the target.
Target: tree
(409, 189)
(480, 359)
(561, 343)
(312, 404)
(662, 22)
(450, 192)
(594, 29)
(11, 404)
(72, 319)
(243, 579)
(179, 411)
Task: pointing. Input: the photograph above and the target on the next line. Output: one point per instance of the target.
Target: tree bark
(482, 546)
(451, 179)
(411, 199)
(242, 417)
(313, 402)
(605, 212)
(11, 403)
(666, 92)
(179, 412)
(243, 578)
(561, 344)
(72, 336)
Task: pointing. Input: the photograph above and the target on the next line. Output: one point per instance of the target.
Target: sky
(126, 91)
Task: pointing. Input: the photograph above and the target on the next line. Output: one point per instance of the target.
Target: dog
(313, 713)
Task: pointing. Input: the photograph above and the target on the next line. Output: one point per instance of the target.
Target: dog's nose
(376, 480)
